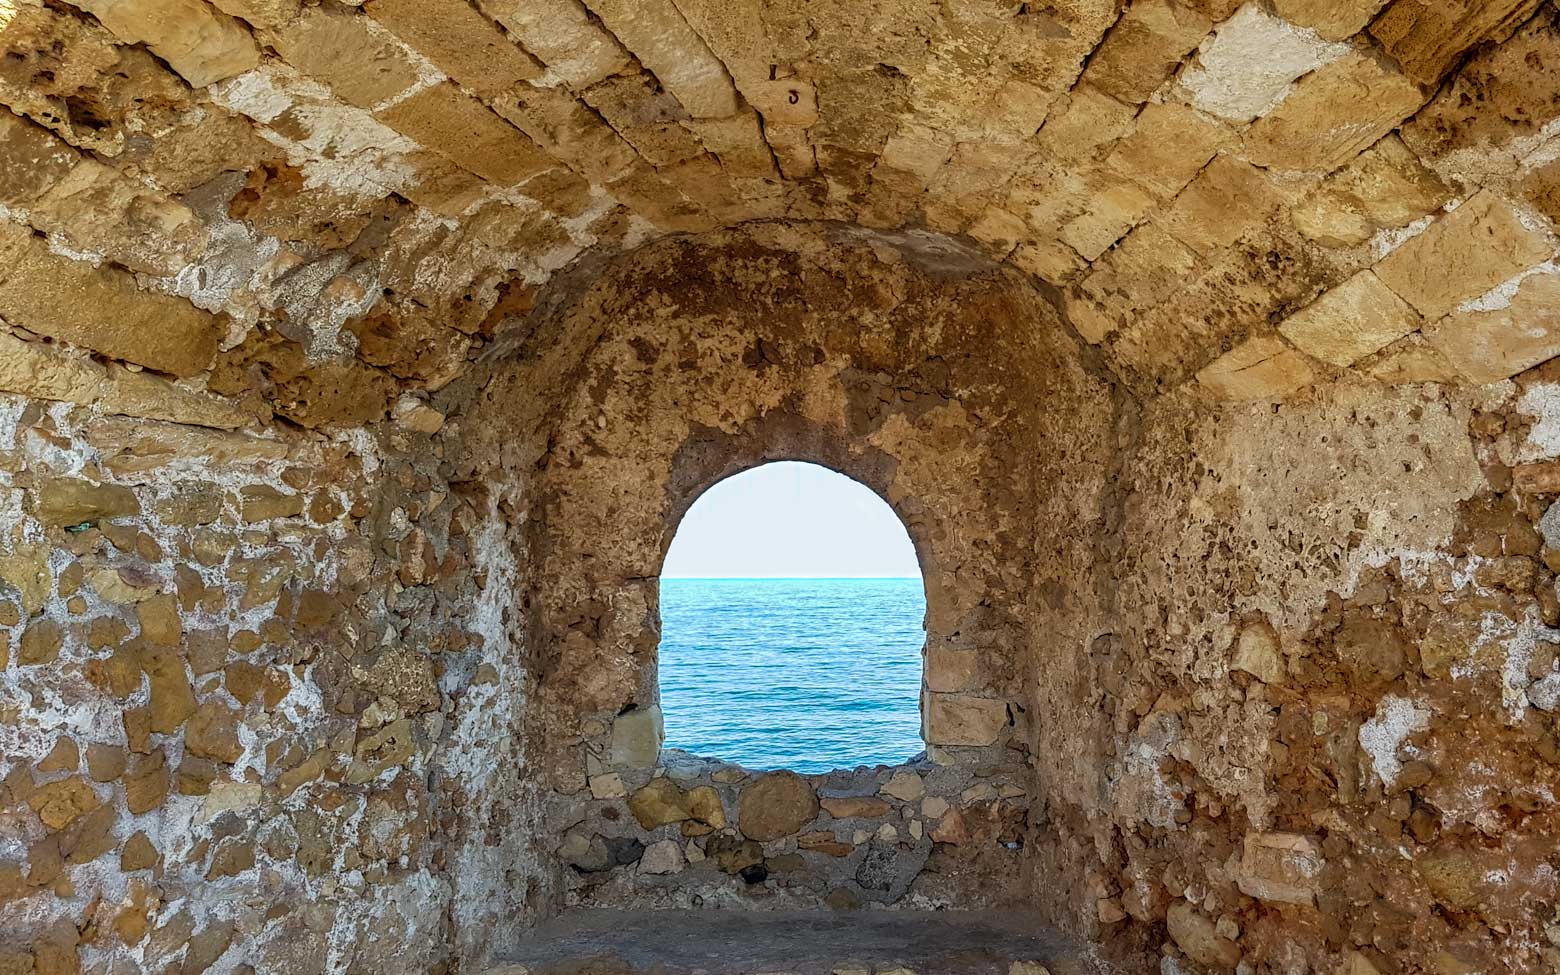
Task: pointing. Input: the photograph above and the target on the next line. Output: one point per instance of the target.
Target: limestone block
(468, 133)
(1144, 48)
(100, 308)
(904, 785)
(784, 101)
(1225, 201)
(1257, 653)
(738, 142)
(648, 118)
(951, 670)
(1281, 867)
(1490, 345)
(1332, 114)
(565, 38)
(32, 159)
(1198, 937)
(1332, 19)
(1050, 260)
(1386, 187)
(363, 63)
(662, 858)
(1086, 123)
(1170, 146)
(637, 737)
(566, 127)
(1248, 65)
(1412, 359)
(462, 42)
(1463, 255)
(198, 41)
(962, 719)
(664, 43)
(1118, 206)
(97, 209)
(1351, 321)
(776, 805)
(1260, 368)
(261, 13)
(1427, 39)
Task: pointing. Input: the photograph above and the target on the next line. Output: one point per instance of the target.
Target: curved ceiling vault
(246, 209)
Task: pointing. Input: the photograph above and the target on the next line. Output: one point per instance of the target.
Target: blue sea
(804, 674)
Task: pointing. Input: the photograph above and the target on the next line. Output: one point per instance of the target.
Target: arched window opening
(792, 613)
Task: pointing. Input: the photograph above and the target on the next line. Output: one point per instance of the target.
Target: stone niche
(947, 385)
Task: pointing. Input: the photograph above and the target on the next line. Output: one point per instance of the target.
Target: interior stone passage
(359, 361)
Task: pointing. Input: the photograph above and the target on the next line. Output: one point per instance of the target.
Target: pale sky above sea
(790, 520)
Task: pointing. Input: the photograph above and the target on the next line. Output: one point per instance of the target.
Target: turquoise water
(804, 674)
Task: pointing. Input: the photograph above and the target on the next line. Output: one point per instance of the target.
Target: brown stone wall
(231, 670)
(947, 385)
(1327, 667)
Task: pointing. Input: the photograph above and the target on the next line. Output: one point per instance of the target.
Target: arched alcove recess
(946, 384)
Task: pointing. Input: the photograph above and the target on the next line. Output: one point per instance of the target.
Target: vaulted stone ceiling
(229, 211)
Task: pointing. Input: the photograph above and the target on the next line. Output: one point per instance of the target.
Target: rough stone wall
(857, 350)
(1330, 679)
(253, 694)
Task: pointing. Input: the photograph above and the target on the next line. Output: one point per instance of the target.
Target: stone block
(1088, 121)
(261, 13)
(664, 43)
(361, 62)
(1198, 937)
(32, 159)
(1427, 38)
(637, 737)
(1386, 187)
(1463, 255)
(1260, 368)
(97, 209)
(1332, 19)
(776, 805)
(1332, 114)
(198, 41)
(1257, 653)
(1144, 48)
(562, 34)
(1117, 207)
(738, 142)
(1353, 320)
(1248, 65)
(1170, 145)
(1487, 346)
(100, 308)
(462, 42)
(962, 719)
(1283, 868)
(1225, 201)
(468, 133)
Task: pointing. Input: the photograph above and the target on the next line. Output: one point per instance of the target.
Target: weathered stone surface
(659, 803)
(462, 42)
(853, 807)
(1332, 114)
(962, 719)
(661, 39)
(1332, 19)
(100, 308)
(31, 159)
(361, 65)
(45, 372)
(562, 34)
(75, 500)
(1427, 39)
(776, 805)
(1144, 48)
(1261, 368)
(1195, 934)
(199, 42)
(1463, 255)
(1518, 332)
(1250, 62)
(1257, 653)
(1281, 867)
(637, 737)
(1358, 317)
(467, 133)
(662, 858)
(1169, 147)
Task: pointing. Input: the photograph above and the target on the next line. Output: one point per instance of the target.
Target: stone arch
(673, 366)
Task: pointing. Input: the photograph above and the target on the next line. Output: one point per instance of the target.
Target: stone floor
(717, 942)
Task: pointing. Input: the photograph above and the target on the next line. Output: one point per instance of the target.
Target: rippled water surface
(804, 674)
